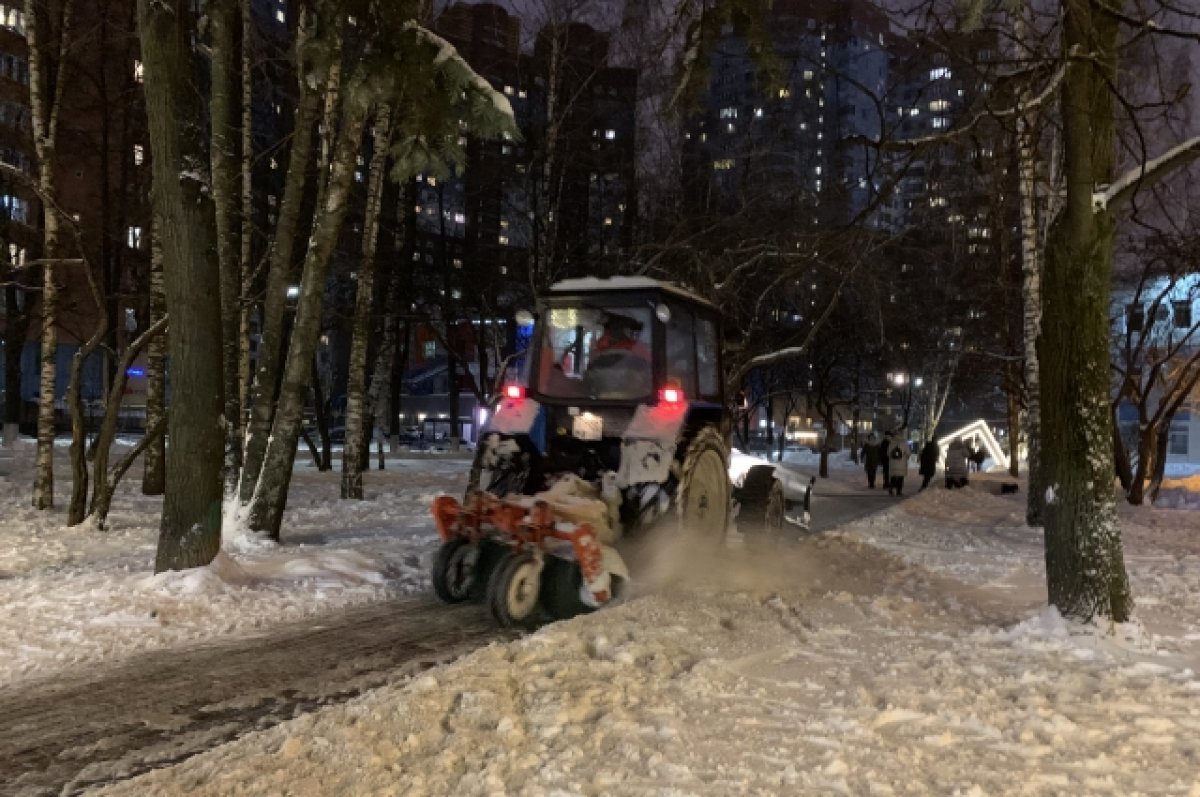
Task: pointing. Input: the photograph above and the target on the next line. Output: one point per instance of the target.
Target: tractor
(620, 426)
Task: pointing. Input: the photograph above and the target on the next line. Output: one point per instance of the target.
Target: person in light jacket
(897, 463)
(956, 465)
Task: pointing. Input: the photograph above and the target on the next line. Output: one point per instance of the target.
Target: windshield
(596, 353)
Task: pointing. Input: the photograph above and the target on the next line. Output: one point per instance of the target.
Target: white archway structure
(981, 430)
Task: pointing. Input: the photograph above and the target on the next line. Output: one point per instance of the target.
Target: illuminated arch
(976, 428)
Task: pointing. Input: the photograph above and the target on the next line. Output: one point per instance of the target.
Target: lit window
(914, 111)
(729, 113)
(729, 128)
(138, 71)
(610, 134)
(432, 180)
(429, 349)
(503, 240)
(808, 74)
(508, 90)
(758, 112)
(280, 16)
(939, 73)
(460, 218)
(134, 237)
(607, 221)
(723, 164)
(940, 122)
(784, 93)
(522, 94)
(139, 154)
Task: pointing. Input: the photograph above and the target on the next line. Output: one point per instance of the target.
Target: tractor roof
(622, 284)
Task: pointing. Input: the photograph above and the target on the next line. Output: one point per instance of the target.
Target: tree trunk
(106, 485)
(190, 534)
(1085, 568)
(16, 326)
(1031, 289)
(77, 509)
(270, 494)
(356, 436)
(108, 427)
(223, 19)
(1161, 451)
(154, 473)
(279, 269)
(47, 78)
(247, 219)
(1014, 425)
(1121, 456)
(321, 415)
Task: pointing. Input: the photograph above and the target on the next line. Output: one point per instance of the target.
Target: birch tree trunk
(352, 456)
(270, 493)
(190, 533)
(16, 326)
(77, 509)
(1085, 568)
(270, 349)
(1031, 297)
(248, 276)
(223, 21)
(154, 476)
(44, 108)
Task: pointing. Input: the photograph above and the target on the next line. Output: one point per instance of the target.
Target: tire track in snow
(63, 735)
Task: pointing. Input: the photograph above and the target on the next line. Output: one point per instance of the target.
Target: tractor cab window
(681, 351)
(596, 353)
(708, 366)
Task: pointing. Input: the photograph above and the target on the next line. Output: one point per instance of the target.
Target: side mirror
(524, 318)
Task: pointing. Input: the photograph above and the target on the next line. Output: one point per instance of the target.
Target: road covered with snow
(907, 652)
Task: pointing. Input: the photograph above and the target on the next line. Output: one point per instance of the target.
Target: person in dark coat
(870, 454)
(884, 445)
(930, 455)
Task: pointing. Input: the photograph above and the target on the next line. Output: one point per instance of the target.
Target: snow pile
(75, 596)
(910, 653)
(1180, 493)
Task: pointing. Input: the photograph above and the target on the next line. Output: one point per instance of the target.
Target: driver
(621, 334)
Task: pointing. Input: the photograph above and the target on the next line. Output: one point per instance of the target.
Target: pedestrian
(930, 455)
(884, 447)
(977, 457)
(973, 458)
(870, 454)
(897, 459)
(956, 464)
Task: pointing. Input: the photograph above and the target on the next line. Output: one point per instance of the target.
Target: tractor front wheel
(455, 568)
(761, 506)
(512, 592)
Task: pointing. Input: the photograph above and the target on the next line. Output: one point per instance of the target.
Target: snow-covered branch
(447, 54)
(1153, 169)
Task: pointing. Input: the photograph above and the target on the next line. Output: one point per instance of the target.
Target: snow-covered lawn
(909, 653)
(76, 596)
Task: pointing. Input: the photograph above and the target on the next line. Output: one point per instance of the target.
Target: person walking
(870, 455)
(956, 464)
(930, 455)
(897, 463)
(884, 447)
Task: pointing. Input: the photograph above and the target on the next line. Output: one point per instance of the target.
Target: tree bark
(45, 101)
(247, 219)
(279, 269)
(356, 436)
(270, 493)
(224, 21)
(321, 414)
(16, 326)
(1014, 425)
(190, 533)
(154, 473)
(1085, 568)
(77, 509)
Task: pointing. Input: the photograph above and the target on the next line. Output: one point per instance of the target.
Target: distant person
(897, 463)
(930, 454)
(974, 456)
(977, 457)
(885, 446)
(870, 454)
(956, 464)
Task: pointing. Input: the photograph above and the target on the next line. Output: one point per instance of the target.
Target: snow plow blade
(527, 529)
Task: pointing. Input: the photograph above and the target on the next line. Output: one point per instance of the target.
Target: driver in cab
(621, 335)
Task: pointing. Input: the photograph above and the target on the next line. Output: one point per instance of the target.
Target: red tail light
(670, 395)
(514, 391)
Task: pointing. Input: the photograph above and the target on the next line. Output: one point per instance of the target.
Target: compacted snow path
(65, 733)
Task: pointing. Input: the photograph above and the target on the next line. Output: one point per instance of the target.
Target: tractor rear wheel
(703, 497)
(761, 506)
(512, 592)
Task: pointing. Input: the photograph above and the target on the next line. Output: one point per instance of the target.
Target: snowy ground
(908, 653)
(76, 596)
